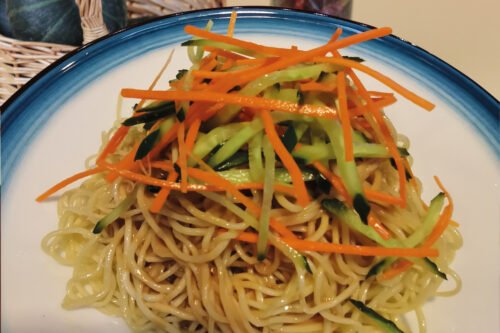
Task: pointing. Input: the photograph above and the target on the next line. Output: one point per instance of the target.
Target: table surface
(463, 33)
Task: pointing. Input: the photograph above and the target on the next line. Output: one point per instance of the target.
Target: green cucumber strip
(115, 213)
(324, 151)
(290, 139)
(158, 106)
(152, 138)
(148, 117)
(147, 145)
(347, 169)
(434, 268)
(378, 267)
(383, 323)
(222, 46)
(239, 176)
(236, 142)
(239, 158)
(428, 223)
(357, 59)
(350, 218)
(267, 198)
(205, 144)
(255, 164)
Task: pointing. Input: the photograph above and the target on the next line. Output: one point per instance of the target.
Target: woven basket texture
(22, 60)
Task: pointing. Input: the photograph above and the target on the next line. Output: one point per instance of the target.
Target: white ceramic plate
(53, 124)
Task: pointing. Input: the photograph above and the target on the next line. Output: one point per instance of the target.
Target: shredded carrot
(162, 196)
(375, 223)
(397, 268)
(425, 104)
(344, 117)
(335, 35)
(224, 53)
(372, 251)
(317, 86)
(247, 101)
(286, 158)
(255, 61)
(192, 134)
(113, 143)
(381, 197)
(232, 23)
(386, 134)
(62, 184)
(333, 179)
(444, 219)
(181, 162)
(189, 29)
(227, 64)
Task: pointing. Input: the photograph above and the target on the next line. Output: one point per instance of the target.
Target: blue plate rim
(18, 94)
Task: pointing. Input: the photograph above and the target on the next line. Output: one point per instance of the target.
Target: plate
(54, 123)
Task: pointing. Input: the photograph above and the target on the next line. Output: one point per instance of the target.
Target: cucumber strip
(351, 219)
(148, 117)
(267, 198)
(115, 213)
(379, 267)
(217, 136)
(222, 46)
(240, 176)
(158, 106)
(239, 158)
(195, 52)
(151, 139)
(255, 158)
(434, 268)
(348, 171)
(324, 151)
(428, 223)
(236, 142)
(290, 139)
(383, 323)
(299, 72)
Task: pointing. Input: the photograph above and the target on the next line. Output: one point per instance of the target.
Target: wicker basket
(22, 60)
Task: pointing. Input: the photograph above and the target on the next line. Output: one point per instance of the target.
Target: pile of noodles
(174, 272)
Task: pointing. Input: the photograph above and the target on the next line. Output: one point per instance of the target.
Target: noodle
(183, 270)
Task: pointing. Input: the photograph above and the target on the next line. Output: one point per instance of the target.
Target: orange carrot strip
(374, 222)
(386, 134)
(378, 196)
(227, 64)
(286, 158)
(113, 143)
(333, 179)
(181, 162)
(192, 134)
(246, 101)
(256, 61)
(162, 196)
(68, 181)
(371, 251)
(189, 29)
(335, 35)
(425, 104)
(444, 219)
(397, 268)
(224, 53)
(232, 23)
(317, 86)
(212, 178)
(344, 117)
